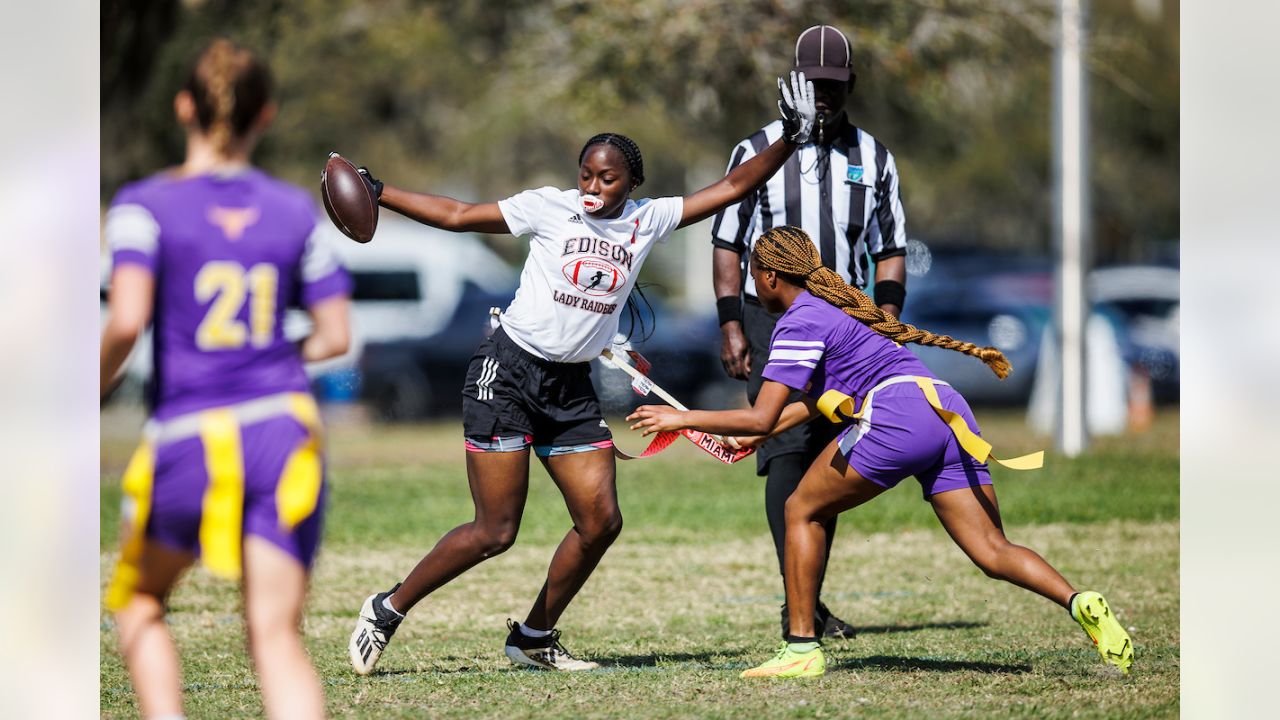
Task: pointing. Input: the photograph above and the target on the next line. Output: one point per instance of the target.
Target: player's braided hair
(230, 86)
(630, 153)
(790, 252)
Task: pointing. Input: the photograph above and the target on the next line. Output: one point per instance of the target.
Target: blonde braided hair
(790, 252)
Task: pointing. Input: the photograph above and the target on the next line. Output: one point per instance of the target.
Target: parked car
(1006, 300)
(1145, 301)
(418, 377)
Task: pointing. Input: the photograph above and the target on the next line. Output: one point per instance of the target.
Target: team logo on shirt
(855, 174)
(594, 276)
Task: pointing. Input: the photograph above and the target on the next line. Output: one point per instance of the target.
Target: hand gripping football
(349, 198)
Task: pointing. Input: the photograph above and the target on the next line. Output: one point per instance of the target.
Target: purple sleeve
(795, 351)
(323, 276)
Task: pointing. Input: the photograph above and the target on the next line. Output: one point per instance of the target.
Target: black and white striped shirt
(845, 196)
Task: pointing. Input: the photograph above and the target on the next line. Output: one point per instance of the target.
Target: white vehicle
(407, 283)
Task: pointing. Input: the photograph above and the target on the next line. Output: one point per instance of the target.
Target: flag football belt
(834, 403)
(222, 507)
(713, 445)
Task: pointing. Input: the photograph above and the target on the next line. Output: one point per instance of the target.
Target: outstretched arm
(444, 212)
(759, 419)
(798, 113)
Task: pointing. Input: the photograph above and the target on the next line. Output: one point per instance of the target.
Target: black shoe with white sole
(545, 653)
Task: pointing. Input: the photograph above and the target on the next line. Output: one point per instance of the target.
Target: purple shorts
(182, 478)
(900, 435)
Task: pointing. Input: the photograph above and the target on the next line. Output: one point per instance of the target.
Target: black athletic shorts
(513, 399)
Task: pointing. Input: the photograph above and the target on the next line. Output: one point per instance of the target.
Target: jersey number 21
(228, 284)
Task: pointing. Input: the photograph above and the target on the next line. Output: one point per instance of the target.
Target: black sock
(798, 639)
(1071, 601)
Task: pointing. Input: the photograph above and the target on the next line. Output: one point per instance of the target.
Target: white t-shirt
(580, 269)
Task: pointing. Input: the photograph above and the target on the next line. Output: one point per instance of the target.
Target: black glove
(374, 182)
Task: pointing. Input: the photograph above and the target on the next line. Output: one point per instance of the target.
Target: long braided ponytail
(790, 252)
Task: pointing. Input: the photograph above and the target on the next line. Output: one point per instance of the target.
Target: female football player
(528, 386)
(834, 344)
(210, 253)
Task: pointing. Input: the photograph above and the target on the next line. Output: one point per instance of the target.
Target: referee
(842, 189)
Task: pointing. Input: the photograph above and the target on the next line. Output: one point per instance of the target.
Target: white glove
(798, 109)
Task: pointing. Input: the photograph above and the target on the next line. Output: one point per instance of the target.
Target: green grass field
(689, 595)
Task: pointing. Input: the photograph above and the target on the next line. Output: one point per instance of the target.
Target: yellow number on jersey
(227, 283)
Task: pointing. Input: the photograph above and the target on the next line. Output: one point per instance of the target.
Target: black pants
(783, 459)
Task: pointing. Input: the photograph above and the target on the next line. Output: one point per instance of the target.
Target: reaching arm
(331, 334)
(798, 114)
(444, 212)
(128, 312)
(759, 419)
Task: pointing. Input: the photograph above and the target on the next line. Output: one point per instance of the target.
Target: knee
(497, 539)
(797, 510)
(602, 531)
(990, 559)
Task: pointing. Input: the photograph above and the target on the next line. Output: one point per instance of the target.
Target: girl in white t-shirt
(529, 386)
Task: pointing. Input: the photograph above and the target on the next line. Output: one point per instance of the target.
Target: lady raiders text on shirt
(580, 269)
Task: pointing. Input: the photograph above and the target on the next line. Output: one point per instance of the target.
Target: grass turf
(689, 594)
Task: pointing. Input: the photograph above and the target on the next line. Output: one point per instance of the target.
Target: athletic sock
(386, 603)
(802, 644)
(1071, 605)
(529, 632)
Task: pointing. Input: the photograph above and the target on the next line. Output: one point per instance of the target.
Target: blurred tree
(481, 99)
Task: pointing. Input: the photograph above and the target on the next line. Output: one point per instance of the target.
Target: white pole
(1072, 225)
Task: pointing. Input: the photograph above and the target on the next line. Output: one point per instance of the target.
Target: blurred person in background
(230, 468)
(841, 187)
(528, 387)
(833, 345)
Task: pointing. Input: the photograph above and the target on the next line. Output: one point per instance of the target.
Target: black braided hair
(630, 153)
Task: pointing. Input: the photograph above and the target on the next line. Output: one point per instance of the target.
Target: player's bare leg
(828, 488)
(971, 517)
(275, 589)
(587, 482)
(145, 640)
(499, 487)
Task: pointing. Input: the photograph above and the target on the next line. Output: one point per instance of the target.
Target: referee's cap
(823, 53)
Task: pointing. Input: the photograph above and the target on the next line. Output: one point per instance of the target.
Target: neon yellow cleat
(1090, 609)
(806, 663)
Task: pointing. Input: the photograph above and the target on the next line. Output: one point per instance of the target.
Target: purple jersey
(229, 253)
(818, 347)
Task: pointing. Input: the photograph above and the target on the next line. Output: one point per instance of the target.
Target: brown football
(349, 199)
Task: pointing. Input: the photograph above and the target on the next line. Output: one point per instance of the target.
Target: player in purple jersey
(210, 254)
(835, 345)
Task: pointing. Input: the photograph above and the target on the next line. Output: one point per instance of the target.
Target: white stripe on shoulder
(792, 363)
(131, 226)
(787, 354)
(318, 258)
(799, 344)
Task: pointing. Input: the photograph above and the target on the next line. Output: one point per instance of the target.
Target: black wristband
(729, 309)
(891, 292)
